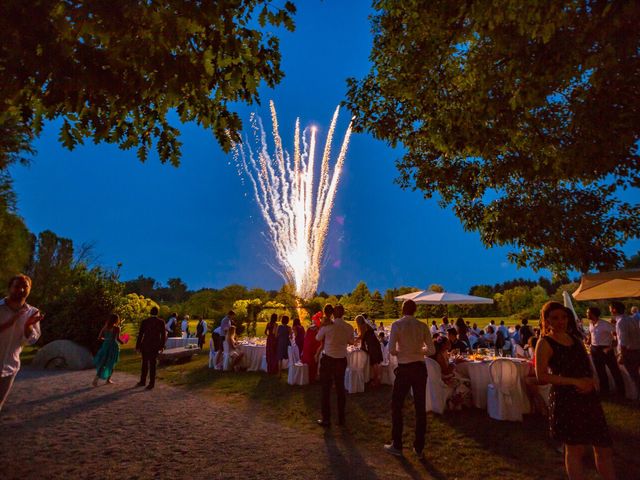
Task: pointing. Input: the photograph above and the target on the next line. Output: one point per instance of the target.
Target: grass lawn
(463, 445)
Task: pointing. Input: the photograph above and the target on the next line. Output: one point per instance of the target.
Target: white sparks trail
(295, 209)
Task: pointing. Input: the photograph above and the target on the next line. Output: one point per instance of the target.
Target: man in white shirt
(184, 327)
(333, 363)
(444, 326)
(434, 328)
(201, 332)
(602, 352)
(410, 341)
(628, 333)
(19, 325)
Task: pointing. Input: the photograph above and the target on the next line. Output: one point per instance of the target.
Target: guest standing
(109, 353)
(310, 351)
(272, 345)
(171, 324)
(525, 332)
(434, 327)
(298, 335)
(602, 351)
(444, 326)
(282, 336)
(410, 341)
(575, 415)
(201, 332)
(628, 333)
(151, 339)
(19, 325)
(185, 326)
(370, 344)
(227, 321)
(333, 363)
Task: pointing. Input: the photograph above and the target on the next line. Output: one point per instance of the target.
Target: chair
(387, 367)
(294, 353)
(298, 372)
(355, 373)
(437, 390)
(518, 351)
(227, 361)
(504, 395)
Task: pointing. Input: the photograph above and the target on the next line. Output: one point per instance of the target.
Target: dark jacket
(152, 335)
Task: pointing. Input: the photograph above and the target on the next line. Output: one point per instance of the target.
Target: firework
(296, 206)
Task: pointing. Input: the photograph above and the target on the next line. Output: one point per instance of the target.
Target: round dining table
(253, 356)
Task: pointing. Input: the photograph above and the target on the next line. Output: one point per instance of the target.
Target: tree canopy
(522, 116)
(113, 71)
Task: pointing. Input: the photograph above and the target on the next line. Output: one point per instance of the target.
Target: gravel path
(57, 426)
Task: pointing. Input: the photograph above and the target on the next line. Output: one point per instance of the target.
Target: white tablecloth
(252, 359)
(478, 373)
(175, 342)
(367, 374)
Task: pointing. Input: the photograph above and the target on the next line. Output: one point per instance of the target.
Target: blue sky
(200, 223)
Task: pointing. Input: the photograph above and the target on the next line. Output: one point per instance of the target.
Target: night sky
(199, 222)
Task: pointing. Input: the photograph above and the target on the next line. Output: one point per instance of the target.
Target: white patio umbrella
(605, 285)
(427, 297)
(412, 295)
(569, 304)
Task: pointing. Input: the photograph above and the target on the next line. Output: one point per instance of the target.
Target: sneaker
(419, 454)
(139, 384)
(390, 449)
(149, 387)
(323, 423)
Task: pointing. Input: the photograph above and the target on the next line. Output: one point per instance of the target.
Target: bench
(179, 354)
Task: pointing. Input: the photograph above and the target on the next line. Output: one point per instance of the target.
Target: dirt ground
(55, 425)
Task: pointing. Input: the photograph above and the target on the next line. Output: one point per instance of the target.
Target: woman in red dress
(272, 345)
(311, 347)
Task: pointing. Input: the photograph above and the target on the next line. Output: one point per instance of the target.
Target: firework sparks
(296, 210)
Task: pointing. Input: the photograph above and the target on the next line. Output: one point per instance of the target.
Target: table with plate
(477, 371)
(177, 342)
(253, 355)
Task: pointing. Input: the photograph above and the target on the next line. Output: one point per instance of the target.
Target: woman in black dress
(575, 414)
(282, 337)
(370, 344)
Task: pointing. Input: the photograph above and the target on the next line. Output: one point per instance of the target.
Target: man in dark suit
(151, 339)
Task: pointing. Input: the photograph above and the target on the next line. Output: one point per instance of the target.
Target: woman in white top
(232, 347)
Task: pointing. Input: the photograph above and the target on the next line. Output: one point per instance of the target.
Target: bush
(82, 307)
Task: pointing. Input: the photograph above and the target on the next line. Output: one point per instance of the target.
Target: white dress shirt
(12, 339)
(434, 329)
(408, 340)
(628, 332)
(601, 333)
(336, 338)
(185, 326)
